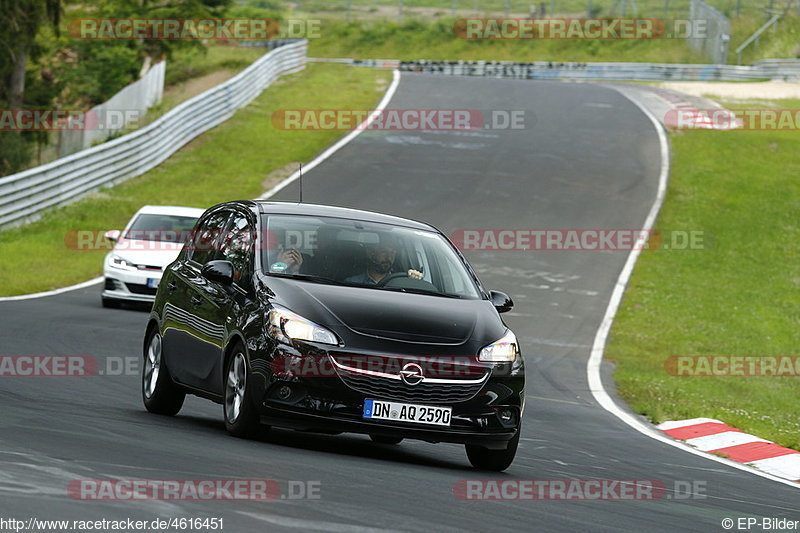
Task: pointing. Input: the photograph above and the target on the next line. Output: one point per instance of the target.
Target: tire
(493, 460)
(159, 394)
(111, 303)
(382, 439)
(241, 416)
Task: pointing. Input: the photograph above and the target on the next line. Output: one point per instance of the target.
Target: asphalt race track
(588, 158)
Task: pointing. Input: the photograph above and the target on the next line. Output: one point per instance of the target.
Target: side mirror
(219, 271)
(112, 235)
(501, 301)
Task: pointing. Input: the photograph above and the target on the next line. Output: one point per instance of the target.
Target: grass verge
(418, 39)
(193, 62)
(238, 160)
(737, 296)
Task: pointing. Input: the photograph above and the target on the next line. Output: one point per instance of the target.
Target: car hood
(390, 315)
(150, 253)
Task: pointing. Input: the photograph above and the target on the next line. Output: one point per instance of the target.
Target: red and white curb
(685, 115)
(714, 436)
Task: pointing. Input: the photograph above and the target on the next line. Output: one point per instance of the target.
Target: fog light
(506, 415)
(284, 392)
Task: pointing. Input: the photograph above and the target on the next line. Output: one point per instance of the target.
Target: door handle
(196, 300)
(171, 286)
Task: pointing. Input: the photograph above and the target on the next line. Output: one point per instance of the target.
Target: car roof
(293, 208)
(171, 210)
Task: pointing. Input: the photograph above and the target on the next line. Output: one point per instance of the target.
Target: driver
(380, 259)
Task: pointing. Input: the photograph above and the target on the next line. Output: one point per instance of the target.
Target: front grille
(394, 389)
(149, 267)
(138, 288)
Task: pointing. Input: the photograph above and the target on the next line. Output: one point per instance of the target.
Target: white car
(152, 240)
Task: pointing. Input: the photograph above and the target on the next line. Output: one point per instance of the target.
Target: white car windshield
(366, 254)
(163, 228)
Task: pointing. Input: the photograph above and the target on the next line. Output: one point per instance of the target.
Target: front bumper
(130, 285)
(488, 415)
(307, 421)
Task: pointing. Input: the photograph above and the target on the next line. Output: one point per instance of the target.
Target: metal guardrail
(788, 70)
(23, 196)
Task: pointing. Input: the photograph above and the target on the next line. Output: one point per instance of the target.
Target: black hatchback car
(335, 320)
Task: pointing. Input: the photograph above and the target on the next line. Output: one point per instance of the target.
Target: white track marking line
(82, 285)
(343, 141)
(596, 358)
(316, 161)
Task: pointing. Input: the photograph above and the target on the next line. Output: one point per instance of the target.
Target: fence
(23, 196)
(716, 41)
(135, 99)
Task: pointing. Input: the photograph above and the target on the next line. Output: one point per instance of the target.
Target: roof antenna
(301, 183)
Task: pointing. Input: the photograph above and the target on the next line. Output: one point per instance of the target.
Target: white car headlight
(287, 325)
(503, 350)
(119, 262)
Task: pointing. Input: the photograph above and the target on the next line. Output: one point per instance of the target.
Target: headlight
(118, 262)
(286, 325)
(503, 350)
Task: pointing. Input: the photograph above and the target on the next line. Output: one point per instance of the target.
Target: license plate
(153, 283)
(407, 412)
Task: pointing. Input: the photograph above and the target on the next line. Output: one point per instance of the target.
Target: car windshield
(163, 228)
(365, 254)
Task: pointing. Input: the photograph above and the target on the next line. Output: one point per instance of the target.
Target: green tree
(164, 9)
(21, 21)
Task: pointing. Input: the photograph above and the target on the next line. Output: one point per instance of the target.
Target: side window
(237, 247)
(204, 245)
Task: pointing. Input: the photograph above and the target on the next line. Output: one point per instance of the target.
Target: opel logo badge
(411, 374)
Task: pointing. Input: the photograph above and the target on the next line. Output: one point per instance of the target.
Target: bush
(101, 69)
(15, 152)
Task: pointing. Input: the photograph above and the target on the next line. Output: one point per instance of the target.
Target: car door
(193, 330)
(237, 246)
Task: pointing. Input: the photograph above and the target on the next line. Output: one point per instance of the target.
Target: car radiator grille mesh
(393, 389)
